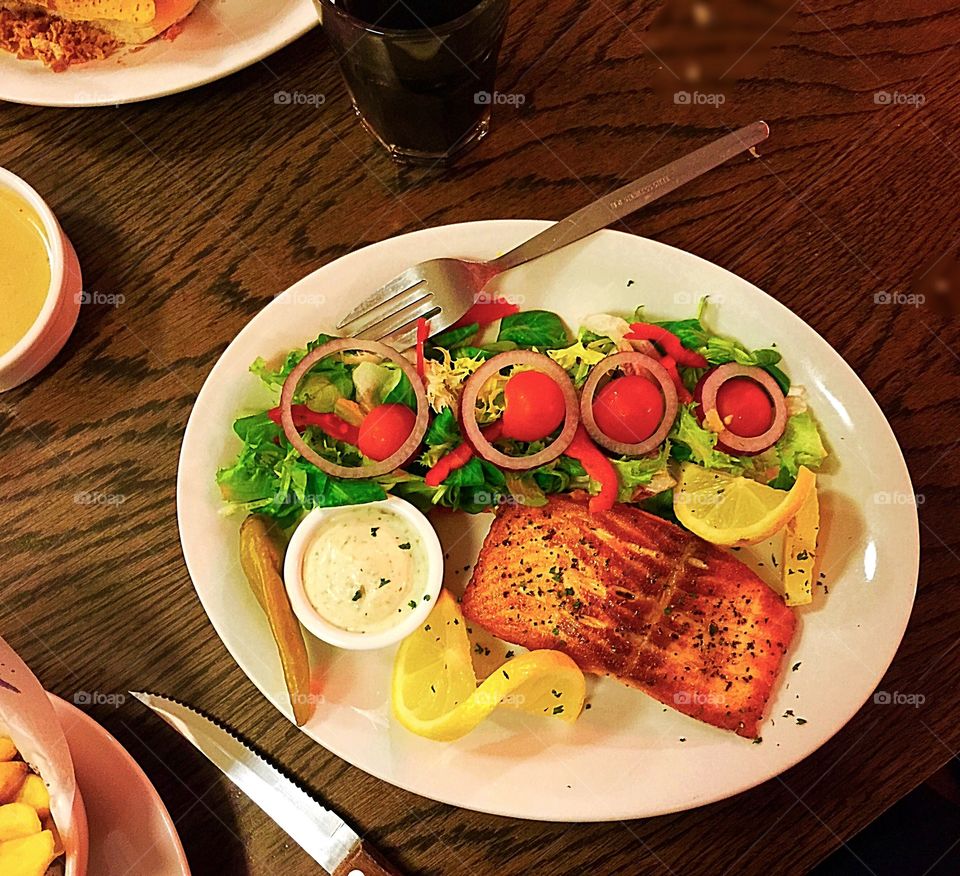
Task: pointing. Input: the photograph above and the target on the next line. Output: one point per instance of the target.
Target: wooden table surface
(194, 210)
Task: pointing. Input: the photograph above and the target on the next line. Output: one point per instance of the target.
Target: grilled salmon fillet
(630, 595)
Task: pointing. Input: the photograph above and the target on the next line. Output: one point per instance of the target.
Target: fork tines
(396, 305)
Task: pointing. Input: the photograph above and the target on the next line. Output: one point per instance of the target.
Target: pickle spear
(262, 560)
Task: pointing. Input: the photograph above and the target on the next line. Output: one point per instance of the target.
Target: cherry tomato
(384, 430)
(534, 406)
(747, 404)
(629, 408)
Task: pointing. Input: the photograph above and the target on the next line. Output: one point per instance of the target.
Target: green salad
(354, 407)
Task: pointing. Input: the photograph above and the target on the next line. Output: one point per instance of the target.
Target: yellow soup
(24, 268)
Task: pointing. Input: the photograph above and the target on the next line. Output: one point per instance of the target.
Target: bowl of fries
(43, 824)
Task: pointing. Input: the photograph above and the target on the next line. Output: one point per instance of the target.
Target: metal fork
(442, 290)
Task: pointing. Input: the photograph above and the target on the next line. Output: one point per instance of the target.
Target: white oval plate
(219, 38)
(628, 756)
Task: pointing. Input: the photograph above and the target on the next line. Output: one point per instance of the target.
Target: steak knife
(322, 834)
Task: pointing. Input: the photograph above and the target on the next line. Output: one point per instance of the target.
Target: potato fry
(8, 751)
(12, 775)
(17, 820)
(48, 824)
(34, 793)
(28, 855)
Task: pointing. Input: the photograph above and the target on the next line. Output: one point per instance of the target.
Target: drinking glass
(420, 72)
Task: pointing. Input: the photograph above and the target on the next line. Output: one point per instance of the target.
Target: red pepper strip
(671, 367)
(331, 424)
(423, 332)
(645, 331)
(485, 312)
(597, 466)
(459, 457)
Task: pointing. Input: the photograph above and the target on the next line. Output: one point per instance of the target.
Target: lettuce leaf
(719, 350)
(270, 476)
(691, 441)
(577, 360)
(274, 377)
(800, 445)
(561, 475)
(634, 473)
(524, 490)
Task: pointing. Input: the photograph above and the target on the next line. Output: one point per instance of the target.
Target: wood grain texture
(199, 208)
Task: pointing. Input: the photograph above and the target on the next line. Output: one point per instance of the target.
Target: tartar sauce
(365, 569)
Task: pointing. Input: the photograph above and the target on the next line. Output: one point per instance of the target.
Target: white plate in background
(218, 38)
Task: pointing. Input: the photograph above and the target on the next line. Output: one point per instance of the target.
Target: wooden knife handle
(364, 860)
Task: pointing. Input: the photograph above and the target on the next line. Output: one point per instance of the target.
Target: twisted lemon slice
(434, 689)
(729, 510)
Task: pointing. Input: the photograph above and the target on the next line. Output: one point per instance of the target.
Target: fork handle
(633, 196)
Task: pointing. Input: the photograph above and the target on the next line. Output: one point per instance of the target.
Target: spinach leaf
(456, 336)
(469, 475)
(691, 333)
(341, 491)
(662, 505)
(487, 350)
(444, 429)
(782, 380)
(534, 328)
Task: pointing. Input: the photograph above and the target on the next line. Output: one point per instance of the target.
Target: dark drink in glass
(420, 72)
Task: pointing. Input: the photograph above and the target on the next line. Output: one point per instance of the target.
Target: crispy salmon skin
(630, 595)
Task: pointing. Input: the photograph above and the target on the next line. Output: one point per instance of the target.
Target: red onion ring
(338, 345)
(468, 409)
(739, 443)
(632, 363)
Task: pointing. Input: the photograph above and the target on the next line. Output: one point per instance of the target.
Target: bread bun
(128, 21)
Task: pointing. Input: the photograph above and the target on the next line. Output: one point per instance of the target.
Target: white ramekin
(319, 626)
(53, 326)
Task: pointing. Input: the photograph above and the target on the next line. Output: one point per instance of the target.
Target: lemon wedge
(434, 690)
(730, 510)
(800, 552)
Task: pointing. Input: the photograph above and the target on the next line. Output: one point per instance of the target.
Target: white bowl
(318, 625)
(53, 326)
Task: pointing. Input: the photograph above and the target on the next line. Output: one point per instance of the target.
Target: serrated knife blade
(322, 834)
